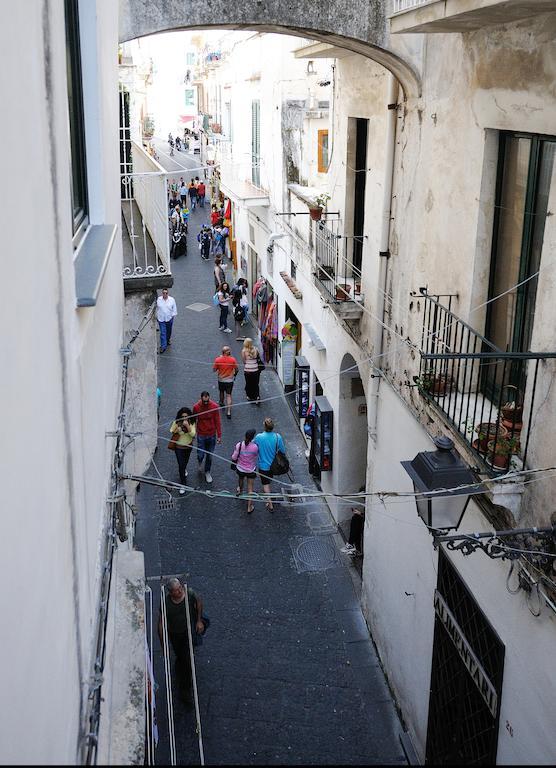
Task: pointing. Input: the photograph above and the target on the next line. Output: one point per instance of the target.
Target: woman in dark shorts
(245, 456)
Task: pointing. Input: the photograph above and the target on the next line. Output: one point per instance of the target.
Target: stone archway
(360, 26)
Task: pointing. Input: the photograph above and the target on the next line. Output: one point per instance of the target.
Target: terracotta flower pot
(500, 453)
(342, 291)
(489, 431)
(315, 213)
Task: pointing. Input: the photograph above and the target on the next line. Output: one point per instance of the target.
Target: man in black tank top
(177, 631)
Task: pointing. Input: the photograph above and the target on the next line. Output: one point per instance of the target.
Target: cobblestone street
(287, 673)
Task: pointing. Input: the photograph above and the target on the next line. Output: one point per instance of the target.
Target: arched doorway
(352, 436)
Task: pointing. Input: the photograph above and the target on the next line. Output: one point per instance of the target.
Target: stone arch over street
(360, 26)
(352, 432)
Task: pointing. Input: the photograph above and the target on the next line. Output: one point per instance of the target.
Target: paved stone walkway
(287, 673)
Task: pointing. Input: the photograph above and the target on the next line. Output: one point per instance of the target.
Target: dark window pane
(75, 109)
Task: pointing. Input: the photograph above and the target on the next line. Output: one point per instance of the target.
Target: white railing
(250, 176)
(407, 5)
(145, 211)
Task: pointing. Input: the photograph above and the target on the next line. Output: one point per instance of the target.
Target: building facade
(73, 586)
(422, 307)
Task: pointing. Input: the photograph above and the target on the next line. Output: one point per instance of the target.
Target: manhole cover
(314, 554)
(166, 504)
(198, 307)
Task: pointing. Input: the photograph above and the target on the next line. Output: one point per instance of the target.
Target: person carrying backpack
(203, 238)
(269, 443)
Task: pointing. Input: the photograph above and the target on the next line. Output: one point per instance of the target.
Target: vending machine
(323, 434)
(302, 380)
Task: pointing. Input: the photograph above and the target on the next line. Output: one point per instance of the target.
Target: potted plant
(436, 383)
(315, 211)
(512, 410)
(500, 451)
(488, 431)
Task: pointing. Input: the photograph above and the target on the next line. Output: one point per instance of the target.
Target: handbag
(280, 464)
(174, 441)
(260, 364)
(233, 465)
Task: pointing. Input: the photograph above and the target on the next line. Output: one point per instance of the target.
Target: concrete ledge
(90, 262)
(122, 716)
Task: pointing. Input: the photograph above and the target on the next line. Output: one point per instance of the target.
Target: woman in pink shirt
(245, 457)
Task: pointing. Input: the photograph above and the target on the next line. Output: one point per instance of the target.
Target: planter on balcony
(488, 432)
(501, 450)
(315, 213)
(342, 292)
(326, 273)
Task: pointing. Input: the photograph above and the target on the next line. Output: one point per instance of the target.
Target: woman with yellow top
(183, 431)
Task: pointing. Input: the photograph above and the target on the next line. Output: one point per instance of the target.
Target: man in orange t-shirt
(226, 368)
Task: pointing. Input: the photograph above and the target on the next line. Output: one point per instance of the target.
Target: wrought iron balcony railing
(145, 224)
(486, 394)
(339, 279)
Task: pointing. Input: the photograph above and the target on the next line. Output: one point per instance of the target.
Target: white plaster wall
(61, 375)
(399, 558)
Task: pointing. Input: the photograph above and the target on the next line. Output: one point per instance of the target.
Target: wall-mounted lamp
(310, 68)
(441, 470)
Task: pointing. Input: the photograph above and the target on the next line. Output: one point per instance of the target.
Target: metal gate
(466, 677)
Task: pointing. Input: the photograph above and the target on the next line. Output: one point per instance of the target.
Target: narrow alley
(287, 673)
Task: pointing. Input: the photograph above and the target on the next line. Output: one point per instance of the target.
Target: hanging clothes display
(269, 331)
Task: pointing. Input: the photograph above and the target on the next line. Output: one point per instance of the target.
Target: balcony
(485, 394)
(243, 181)
(338, 280)
(461, 15)
(145, 224)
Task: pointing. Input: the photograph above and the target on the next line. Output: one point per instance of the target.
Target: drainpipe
(384, 253)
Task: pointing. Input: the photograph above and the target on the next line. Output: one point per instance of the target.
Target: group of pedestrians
(252, 455)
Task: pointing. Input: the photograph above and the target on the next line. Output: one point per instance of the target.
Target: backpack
(280, 464)
(215, 299)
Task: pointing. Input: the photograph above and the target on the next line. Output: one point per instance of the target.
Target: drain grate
(166, 503)
(316, 553)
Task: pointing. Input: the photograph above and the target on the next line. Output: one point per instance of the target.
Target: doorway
(358, 136)
(466, 677)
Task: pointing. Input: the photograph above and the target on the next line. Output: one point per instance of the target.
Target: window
(526, 170)
(76, 120)
(190, 58)
(293, 269)
(256, 142)
(323, 151)
(189, 97)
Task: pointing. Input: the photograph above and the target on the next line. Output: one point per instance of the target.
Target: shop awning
(315, 338)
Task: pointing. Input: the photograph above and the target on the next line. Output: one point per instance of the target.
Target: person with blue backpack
(204, 240)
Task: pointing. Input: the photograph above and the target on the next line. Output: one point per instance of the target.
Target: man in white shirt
(166, 310)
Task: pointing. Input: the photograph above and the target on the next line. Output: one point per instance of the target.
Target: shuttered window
(256, 142)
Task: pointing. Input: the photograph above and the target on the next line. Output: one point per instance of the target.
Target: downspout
(384, 252)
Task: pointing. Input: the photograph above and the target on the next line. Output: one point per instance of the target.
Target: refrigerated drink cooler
(323, 434)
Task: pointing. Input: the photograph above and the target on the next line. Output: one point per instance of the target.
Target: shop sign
(478, 674)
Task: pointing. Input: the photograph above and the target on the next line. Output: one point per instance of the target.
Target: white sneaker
(227, 330)
(208, 477)
(348, 549)
(182, 491)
